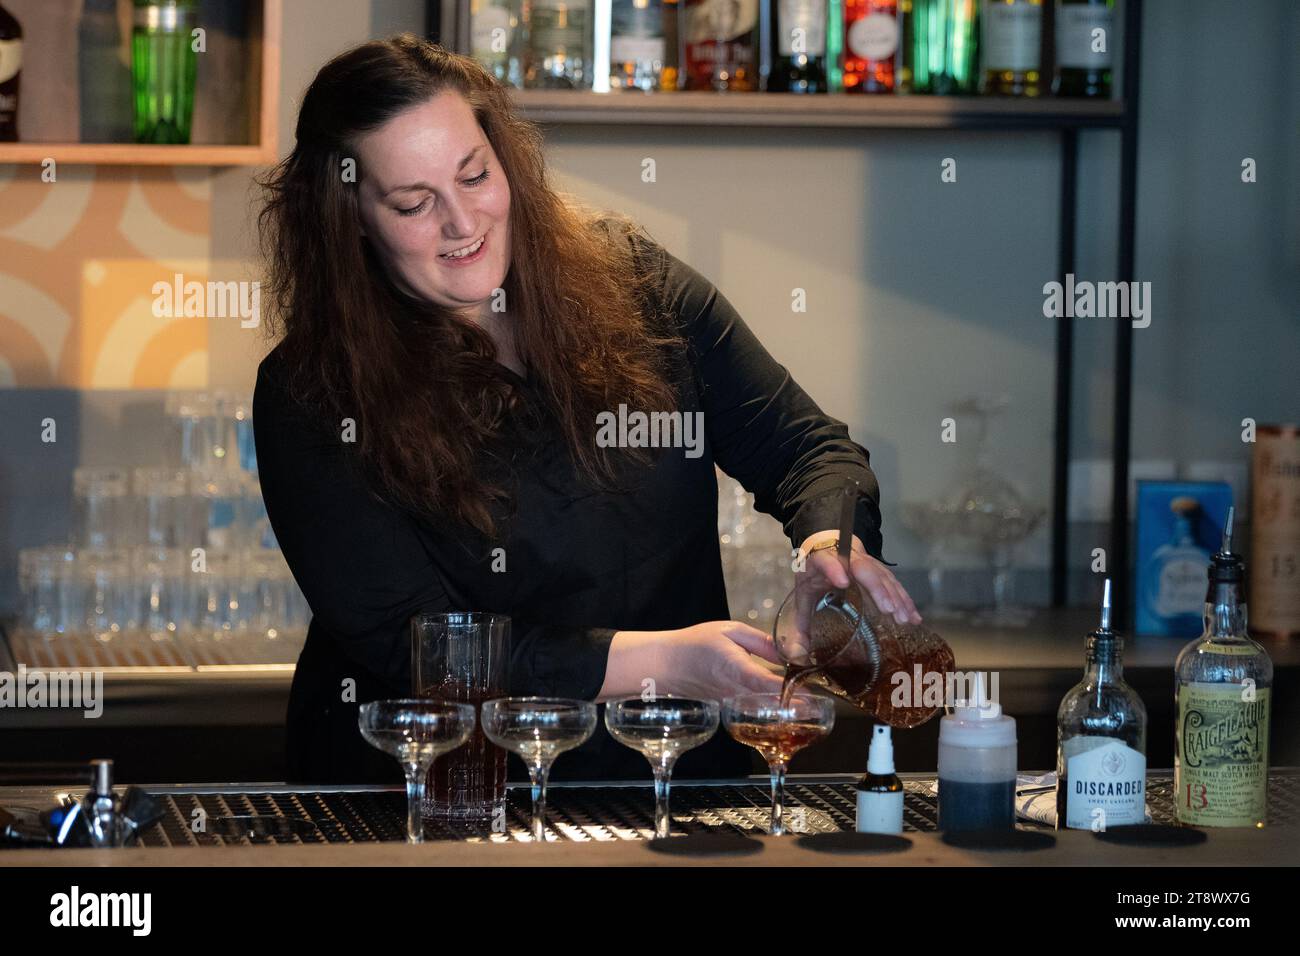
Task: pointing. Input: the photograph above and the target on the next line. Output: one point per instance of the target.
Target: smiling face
(431, 187)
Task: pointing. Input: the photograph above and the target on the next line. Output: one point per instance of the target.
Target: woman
(451, 334)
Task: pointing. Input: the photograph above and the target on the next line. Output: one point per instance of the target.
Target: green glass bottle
(835, 46)
(163, 67)
(941, 40)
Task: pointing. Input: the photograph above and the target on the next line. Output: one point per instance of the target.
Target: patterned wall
(78, 260)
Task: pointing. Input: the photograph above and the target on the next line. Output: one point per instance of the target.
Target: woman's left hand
(875, 577)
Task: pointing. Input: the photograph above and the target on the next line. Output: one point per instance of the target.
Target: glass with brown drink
(463, 657)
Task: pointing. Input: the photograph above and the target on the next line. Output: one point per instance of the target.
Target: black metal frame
(450, 17)
(1064, 373)
(1121, 447)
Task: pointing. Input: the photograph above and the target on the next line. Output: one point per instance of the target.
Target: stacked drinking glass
(180, 552)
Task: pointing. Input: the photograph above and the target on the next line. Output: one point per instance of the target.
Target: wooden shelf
(829, 110)
(132, 154)
(236, 100)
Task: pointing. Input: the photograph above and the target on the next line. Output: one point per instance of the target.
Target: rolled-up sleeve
(764, 429)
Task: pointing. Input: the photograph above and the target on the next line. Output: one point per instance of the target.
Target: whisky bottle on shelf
(1011, 47)
(636, 45)
(871, 35)
(1101, 740)
(495, 38)
(1223, 683)
(103, 80)
(1275, 531)
(798, 47)
(670, 77)
(11, 64)
(560, 45)
(721, 44)
(1084, 47)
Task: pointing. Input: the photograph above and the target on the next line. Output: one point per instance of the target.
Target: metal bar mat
(578, 813)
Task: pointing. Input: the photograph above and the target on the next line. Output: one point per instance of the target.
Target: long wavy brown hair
(422, 381)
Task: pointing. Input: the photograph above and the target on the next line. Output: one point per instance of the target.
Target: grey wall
(1222, 255)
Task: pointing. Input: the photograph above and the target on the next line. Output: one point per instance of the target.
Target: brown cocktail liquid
(878, 677)
(778, 740)
(469, 781)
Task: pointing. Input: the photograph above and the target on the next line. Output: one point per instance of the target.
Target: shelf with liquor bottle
(1058, 66)
(83, 90)
(797, 110)
(943, 64)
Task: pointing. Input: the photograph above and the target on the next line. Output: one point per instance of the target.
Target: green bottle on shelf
(163, 67)
(941, 47)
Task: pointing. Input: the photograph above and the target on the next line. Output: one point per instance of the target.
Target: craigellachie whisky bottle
(1101, 740)
(1223, 684)
(11, 64)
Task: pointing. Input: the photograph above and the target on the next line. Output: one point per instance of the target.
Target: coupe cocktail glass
(663, 728)
(415, 732)
(778, 729)
(539, 729)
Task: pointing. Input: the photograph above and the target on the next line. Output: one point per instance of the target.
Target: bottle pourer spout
(1227, 530)
(1105, 606)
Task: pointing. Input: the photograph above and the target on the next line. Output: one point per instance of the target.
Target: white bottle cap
(977, 722)
(979, 707)
(880, 756)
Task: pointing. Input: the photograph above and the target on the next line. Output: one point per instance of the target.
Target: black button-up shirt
(580, 564)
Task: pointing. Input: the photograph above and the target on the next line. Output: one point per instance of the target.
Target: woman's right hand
(712, 660)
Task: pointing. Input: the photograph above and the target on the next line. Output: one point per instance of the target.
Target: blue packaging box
(1179, 527)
